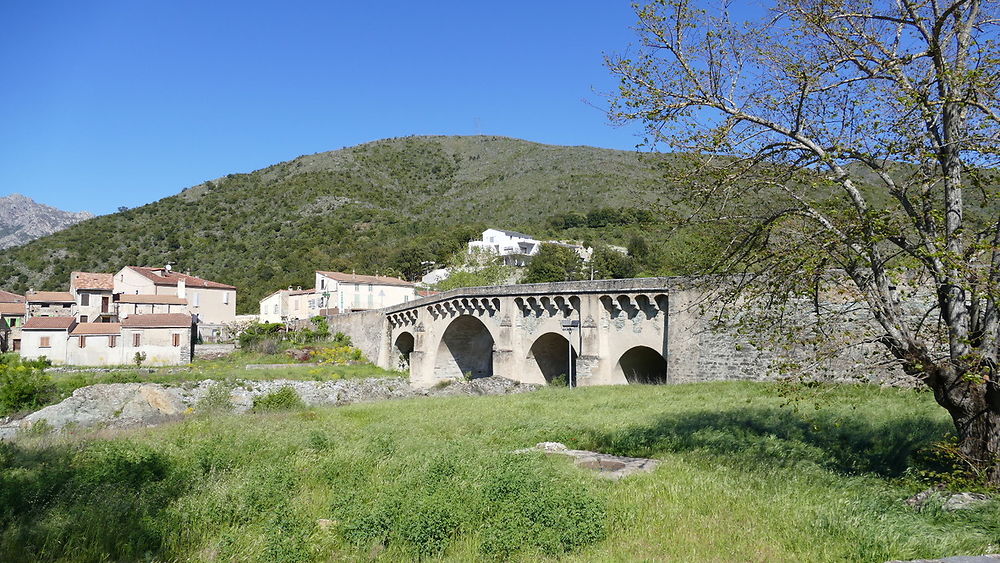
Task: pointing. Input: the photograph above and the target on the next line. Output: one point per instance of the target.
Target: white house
(515, 247)
(289, 304)
(340, 292)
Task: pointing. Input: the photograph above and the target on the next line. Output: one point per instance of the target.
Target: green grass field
(744, 478)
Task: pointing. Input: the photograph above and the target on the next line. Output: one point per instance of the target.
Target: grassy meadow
(744, 477)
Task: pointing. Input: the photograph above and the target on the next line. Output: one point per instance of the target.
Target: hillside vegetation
(381, 207)
(743, 477)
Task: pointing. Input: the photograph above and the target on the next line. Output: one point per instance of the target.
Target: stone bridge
(596, 333)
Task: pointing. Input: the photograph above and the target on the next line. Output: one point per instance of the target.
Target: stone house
(212, 303)
(50, 304)
(92, 293)
(12, 311)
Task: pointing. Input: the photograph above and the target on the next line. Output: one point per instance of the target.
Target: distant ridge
(22, 220)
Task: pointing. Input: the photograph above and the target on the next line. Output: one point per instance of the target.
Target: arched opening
(643, 365)
(402, 347)
(466, 350)
(550, 355)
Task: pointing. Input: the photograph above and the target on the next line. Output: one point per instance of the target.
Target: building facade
(341, 292)
(92, 294)
(159, 340)
(12, 314)
(212, 303)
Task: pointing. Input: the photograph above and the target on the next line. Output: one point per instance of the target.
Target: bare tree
(846, 136)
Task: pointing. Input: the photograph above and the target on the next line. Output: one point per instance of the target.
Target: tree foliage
(554, 263)
(851, 146)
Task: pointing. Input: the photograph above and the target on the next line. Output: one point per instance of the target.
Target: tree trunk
(975, 411)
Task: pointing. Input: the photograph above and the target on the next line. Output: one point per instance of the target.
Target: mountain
(388, 206)
(23, 220)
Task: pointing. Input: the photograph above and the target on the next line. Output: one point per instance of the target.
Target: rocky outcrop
(125, 405)
(23, 220)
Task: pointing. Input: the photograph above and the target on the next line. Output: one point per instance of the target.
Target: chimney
(181, 289)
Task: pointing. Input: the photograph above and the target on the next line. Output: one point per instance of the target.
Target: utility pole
(568, 326)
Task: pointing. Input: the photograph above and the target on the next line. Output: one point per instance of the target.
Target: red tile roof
(374, 280)
(161, 276)
(50, 297)
(49, 323)
(173, 320)
(92, 280)
(96, 328)
(12, 309)
(8, 297)
(151, 299)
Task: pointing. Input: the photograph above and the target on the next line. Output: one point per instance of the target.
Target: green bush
(260, 331)
(943, 464)
(216, 400)
(283, 399)
(341, 340)
(339, 356)
(23, 387)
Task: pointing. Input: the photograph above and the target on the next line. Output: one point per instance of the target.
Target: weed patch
(283, 399)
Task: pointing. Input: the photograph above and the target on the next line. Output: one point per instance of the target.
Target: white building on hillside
(513, 246)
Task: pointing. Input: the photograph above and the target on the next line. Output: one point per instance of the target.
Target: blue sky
(121, 103)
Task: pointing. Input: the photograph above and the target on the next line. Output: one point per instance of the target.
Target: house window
(83, 318)
(66, 305)
(85, 299)
(176, 339)
(197, 299)
(322, 283)
(370, 288)
(275, 308)
(136, 339)
(225, 298)
(83, 342)
(44, 342)
(113, 341)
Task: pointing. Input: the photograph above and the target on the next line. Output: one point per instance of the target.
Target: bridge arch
(549, 358)
(466, 348)
(642, 364)
(402, 348)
